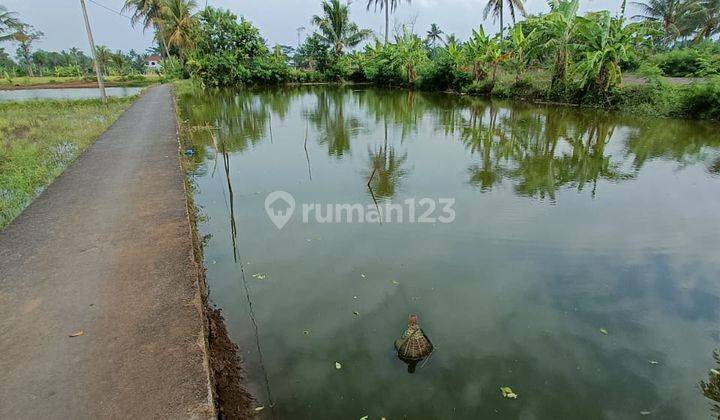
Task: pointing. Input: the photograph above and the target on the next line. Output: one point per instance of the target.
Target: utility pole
(98, 70)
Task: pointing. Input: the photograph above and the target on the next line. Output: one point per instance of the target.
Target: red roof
(153, 58)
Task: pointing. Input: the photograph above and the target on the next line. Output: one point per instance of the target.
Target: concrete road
(106, 250)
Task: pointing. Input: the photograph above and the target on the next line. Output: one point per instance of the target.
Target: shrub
(68, 71)
(228, 52)
(702, 100)
(172, 69)
(442, 73)
(687, 62)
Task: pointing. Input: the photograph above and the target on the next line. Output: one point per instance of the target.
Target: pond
(65, 93)
(581, 268)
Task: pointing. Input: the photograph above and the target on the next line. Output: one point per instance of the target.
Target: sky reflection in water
(568, 221)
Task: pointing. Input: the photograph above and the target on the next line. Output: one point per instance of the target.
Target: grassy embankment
(39, 139)
(52, 81)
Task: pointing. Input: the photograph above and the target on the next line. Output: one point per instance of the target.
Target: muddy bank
(232, 400)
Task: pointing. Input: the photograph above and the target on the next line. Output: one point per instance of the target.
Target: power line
(110, 9)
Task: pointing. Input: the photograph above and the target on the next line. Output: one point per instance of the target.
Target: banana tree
(602, 44)
(555, 33)
(410, 52)
(519, 43)
(474, 52)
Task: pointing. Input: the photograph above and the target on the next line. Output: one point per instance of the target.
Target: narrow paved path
(106, 249)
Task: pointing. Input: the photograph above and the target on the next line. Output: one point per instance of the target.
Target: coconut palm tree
(149, 13)
(178, 23)
(8, 24)
(677, 16)
(496, 7)
(435, 34)
(335, 27)
(388, 6)
(710, 20)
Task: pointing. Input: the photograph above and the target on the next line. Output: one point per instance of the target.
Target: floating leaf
(260, 408)
(653, 362)
(604, 331)
(338, 366)
(507, 392)
(77, 334)
(260, 276)
(645, 413)
(395, 282)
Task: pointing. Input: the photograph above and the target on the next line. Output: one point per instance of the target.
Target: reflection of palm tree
(335, 127)
(387, 169)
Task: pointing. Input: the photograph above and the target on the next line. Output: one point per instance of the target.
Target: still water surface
(568, 222)
(65, 93)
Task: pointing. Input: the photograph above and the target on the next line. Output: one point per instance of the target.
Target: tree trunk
(558, 78)
(387, 20)
(501, 20)
(28, 63)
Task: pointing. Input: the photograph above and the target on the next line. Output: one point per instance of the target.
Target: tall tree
(178, 23)
(149, 13)
(710, 19)
(336, 29)
(678, 17)
(496, 7)
(25, 36)
(8, 24)
(434, 35)
(388, 6)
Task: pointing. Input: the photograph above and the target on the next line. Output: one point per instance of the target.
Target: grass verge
(39, 139)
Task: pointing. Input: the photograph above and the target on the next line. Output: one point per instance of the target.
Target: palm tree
(335, 27)
(496, 8)
(8, 24)
(389, 6)
(178, 22)
(710, 23)
(677, 16)
(435, 34)
(149, 14)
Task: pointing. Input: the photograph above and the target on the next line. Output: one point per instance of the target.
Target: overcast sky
(278, 20)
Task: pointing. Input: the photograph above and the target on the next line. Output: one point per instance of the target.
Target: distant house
(153, 62)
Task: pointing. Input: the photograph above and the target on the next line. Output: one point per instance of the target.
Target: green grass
(39, 139)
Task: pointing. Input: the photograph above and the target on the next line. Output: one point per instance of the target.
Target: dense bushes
(229, 52)
(688, 62)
